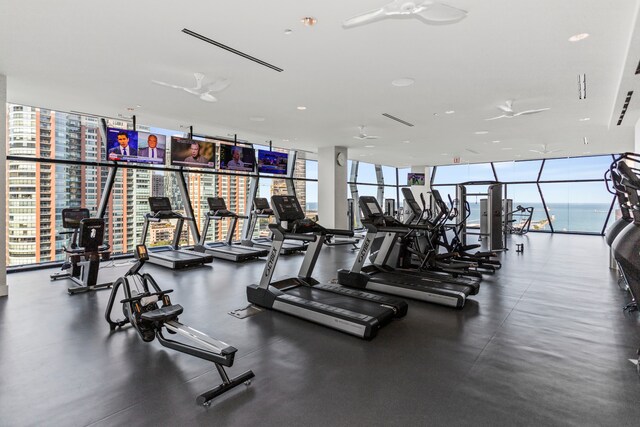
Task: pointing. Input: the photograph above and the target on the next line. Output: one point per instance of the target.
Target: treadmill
(225, 249)
(170, 256)
(378, 276)
(262, 209)
(353, 312)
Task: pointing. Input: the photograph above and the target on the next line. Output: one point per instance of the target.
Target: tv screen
(122, 145)
(189, 152)
(237, 158)
(272, 162)
(151, 148)
(415, 179)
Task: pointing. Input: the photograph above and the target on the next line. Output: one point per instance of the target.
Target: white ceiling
(100, 57)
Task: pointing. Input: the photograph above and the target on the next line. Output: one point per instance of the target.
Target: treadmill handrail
(339, 232)
(286, 235)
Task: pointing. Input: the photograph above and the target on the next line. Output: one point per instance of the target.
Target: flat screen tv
(122, 145)
(237, 158)
(192, 153)
(152, 148)
(415, 178)
(272, 162)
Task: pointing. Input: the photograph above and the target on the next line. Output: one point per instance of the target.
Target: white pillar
(4, 289)
(332, 188)
(424, 189)
(636, 145)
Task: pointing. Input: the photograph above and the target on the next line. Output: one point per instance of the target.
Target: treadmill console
(370, 207)
(91, 234)
(261, 203)
(287, 208)
(160, 204)
(216, 204)
(411, 201)
(71, 217)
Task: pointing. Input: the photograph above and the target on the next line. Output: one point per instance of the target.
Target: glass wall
(572, 190)
(58, 162)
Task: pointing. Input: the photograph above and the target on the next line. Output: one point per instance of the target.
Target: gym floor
(545, 342)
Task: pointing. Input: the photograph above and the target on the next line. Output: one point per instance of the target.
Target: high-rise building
(37, 192)
(157, 185)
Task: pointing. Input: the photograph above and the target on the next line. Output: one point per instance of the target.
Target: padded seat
(163, 314)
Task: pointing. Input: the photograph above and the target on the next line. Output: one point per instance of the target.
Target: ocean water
(580, 217)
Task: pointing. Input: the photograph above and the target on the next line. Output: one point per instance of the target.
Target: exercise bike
(150, 311)
(84, 251)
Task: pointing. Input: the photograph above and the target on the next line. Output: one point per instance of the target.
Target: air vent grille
(625, 106)
(230, 49)
(397, 119)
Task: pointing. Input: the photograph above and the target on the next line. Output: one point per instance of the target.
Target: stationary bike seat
(162, 314)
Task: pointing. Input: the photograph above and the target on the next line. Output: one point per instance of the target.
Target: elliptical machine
(141, 308)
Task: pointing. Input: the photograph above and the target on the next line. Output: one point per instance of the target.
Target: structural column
(636, 143)
(424, 189)
(332, 187)
(4, 289)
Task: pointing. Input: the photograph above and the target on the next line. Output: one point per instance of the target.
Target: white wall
(332, 188)
(4, 289)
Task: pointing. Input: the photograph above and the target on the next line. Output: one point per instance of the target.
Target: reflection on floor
(544, 343)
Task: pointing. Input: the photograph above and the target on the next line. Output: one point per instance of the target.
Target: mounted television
(415, 179)
(272, 162)
(192, 153)
(151, 148)
(122, 145)
(237, 158)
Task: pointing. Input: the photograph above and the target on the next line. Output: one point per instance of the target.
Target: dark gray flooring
(544, 343)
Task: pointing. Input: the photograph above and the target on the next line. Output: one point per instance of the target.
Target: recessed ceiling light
(406, 142)
(584, 119)
(369, 146)
(403, 82)
(138, 106)
(285, 140)
(288, 31)
(444, 154)
(449, 112)
(496, 141)
(578, 37)
(482, 132)
(436, 114)
(302, 107)
(257, 119)
(586, 152)
(309, 21)
(507, 148)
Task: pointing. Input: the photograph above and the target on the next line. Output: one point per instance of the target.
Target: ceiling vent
(397, 119)
(624, 107)
(582, 86)
(230, 49)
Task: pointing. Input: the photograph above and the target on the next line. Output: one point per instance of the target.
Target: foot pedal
(248, 311)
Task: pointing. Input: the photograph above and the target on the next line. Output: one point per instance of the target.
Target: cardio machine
(171, 256)
(262, 209)
(382, 277)
(85, 249)
(352, 311)
(225, 249)
(150, 311)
